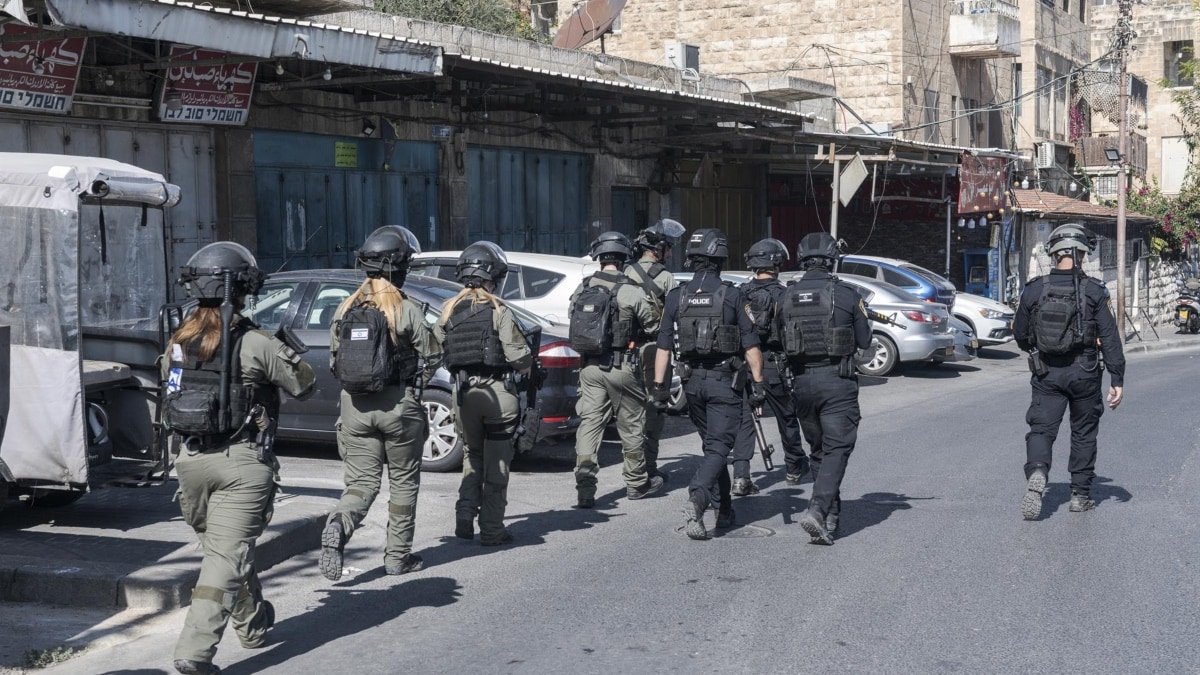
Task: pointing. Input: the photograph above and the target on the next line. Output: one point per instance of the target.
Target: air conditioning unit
(681, 55)
(871, 129)
(1044, 155)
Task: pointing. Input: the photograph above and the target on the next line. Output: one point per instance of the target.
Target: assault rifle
(880, 317)
(531, 421)
(765, 449)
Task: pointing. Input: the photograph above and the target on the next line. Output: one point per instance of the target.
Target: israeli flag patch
(360, 333)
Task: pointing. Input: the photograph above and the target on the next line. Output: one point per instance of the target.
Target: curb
(163, 585)
(1158, 345)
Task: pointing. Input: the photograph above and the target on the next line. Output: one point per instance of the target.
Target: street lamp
(1113, 155)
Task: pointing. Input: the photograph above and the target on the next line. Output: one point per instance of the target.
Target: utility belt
(614, 358)
(1084, 357)
(196, 445)
(474, 377)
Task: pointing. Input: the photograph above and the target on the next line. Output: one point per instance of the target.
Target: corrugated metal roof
(633, 86)
(249, 34)
(1056, 205)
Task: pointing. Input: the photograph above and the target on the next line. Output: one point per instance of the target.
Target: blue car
(926, 285)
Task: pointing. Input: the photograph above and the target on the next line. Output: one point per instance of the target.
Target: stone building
(1166, 35)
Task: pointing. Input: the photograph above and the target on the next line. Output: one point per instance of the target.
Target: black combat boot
(505, 537)
(693, 513)
(743, 487)
(464, 526)
(190, 667)
(1031, 503)
(585, 502)
(333, 541)
(653, 485)
(725, 517)
(814, 525)
(409, 563)
(1081, 502)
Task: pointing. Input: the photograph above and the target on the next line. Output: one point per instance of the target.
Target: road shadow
(856, 515)
(1058, 495)
(932, 371)
(872, 509)
(345, 611)
(997, 354)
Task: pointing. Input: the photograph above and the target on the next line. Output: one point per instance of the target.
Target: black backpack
(1058, 326)
(594, 319)
(366, 359)
(762, 312)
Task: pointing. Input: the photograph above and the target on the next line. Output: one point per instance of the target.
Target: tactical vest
(1059, 324)
(762, 311)
(701, 329)
(192, 407)
(597, 322)
(806, 322)
(472, 342)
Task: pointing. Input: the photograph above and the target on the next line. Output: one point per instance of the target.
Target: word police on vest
(701, 301)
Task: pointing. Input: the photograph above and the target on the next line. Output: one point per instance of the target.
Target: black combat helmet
(1070, 237)
(611, 247)
(766, 254)
(660, 236)
(707, 243)
(480, 262)
(205, 272)
(387, 251)
(818, 249)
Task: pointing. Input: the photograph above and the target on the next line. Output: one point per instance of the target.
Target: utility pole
(1124, 36)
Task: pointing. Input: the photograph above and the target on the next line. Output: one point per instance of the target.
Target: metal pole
(948, 209)
(1124, 33)
(837, 189)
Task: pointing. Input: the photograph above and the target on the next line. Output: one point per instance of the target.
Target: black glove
(660, 394)
(758, 393)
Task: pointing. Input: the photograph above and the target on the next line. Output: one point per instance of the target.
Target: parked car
(537, 282)
(926, 338)
(990, 320)
(926, 285)
(307, 299)
(966, 346)
(736, 277)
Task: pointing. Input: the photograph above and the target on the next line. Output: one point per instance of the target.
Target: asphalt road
(934, 570)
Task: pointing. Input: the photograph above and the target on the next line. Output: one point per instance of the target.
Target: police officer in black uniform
(1064, 321)
(822, 322)
(765, 258)
(709, 317)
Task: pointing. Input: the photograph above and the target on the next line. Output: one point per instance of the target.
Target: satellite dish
(588, 23)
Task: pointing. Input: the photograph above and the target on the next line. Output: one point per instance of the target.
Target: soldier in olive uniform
(650, 272)
(609, 317)
(388, 426)
(483, 346)
(226, 488)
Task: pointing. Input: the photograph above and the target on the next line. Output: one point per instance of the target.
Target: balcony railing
(1089, 153)
(985, 29)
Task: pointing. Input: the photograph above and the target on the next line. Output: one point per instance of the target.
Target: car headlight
(993, 314)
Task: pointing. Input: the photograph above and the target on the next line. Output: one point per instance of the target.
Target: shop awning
(248, 34)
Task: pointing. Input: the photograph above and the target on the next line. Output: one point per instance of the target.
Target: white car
(991, 321)
(537, 282)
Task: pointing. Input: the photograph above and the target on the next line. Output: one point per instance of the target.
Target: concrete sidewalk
(129, 547)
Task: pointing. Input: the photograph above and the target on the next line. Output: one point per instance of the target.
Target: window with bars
(1108, 253)
(1105, 186)
(1042, 121)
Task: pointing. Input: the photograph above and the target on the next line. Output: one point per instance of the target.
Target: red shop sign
(38, 74)
(203, 93)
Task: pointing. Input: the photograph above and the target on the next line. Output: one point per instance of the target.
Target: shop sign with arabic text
(981, 182)
(40, 74)
(208, 94)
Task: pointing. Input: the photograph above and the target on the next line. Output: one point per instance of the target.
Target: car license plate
(1183, 313)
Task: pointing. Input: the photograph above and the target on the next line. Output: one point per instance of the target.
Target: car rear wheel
(443, 449)
(881, 357)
